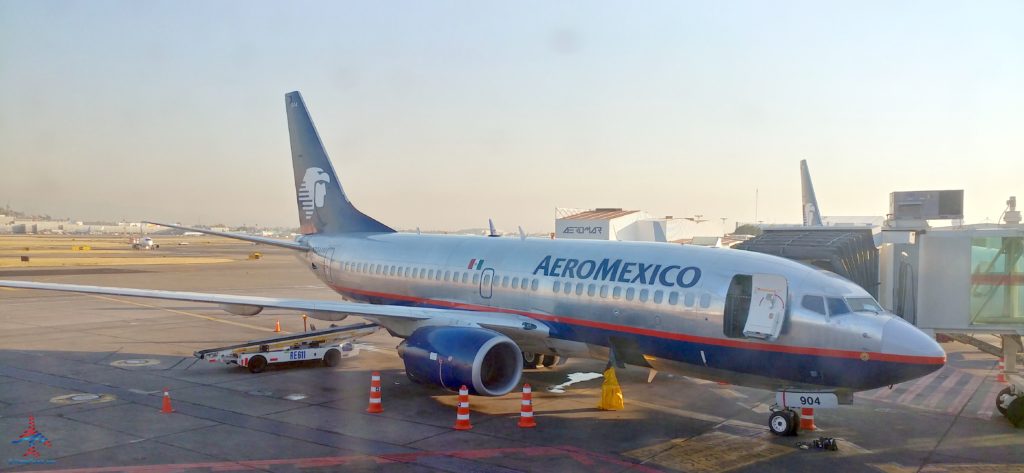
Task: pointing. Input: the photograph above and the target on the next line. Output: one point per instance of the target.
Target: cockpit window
(837, 306)
(863, 304)
(814, 303)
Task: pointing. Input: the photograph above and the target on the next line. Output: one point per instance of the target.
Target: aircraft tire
(548, 361)
(331, 358)
(999, 398)
(780, 423)
(794, 423)
(257, 364)
(1015, 413)
(530, 360)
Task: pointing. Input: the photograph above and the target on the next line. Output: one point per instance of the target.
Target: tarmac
(90, 371)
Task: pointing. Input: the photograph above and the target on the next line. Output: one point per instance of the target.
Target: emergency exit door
(755, 306)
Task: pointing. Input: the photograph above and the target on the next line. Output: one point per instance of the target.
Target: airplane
(696, 218)
(475, 311)
(810, 210)
(144, 243)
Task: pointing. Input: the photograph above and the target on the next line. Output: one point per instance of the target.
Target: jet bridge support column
(1011, 346)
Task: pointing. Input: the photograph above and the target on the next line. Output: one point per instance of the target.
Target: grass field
(102, 250)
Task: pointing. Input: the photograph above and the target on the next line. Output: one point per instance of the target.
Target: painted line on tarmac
(190, 314)
(596, 461)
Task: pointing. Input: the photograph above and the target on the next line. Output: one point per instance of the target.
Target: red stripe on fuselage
(926, 360)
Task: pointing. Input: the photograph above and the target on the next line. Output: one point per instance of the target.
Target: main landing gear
(785, 422)
(533, 360)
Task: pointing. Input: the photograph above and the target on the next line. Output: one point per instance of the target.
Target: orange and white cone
(1001, 374)
(277, 326)
(376, 407)
(462, 415)
(807, 419)
(167, 409)
(526, 409)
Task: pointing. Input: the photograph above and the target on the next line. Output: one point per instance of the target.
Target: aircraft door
(326, 263)
(767, 306)
(487, 283)
(755, 306)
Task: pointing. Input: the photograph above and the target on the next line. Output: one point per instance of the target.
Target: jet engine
(487, 362)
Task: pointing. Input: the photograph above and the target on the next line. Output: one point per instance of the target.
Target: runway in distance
(473, 310)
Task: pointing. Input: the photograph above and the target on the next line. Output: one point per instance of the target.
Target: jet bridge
(847, 251)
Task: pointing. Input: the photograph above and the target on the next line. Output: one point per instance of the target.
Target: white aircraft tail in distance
(473, 310)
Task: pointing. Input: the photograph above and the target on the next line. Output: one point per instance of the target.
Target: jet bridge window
(814, 304)
(737, 305)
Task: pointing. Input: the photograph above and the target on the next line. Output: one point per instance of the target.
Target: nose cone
(902, 339)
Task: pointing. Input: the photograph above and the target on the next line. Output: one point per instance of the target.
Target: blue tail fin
(323, 206)
(812, 215)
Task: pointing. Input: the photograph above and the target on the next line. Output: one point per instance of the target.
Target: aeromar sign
(619, 271)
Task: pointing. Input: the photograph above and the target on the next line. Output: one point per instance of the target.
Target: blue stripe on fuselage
(798, 368)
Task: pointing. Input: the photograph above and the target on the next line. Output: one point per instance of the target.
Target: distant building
(616, 224)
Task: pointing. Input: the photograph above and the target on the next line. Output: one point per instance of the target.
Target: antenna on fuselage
(493, 232)
(522, 234)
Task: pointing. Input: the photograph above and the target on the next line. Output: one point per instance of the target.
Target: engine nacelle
(487, 362)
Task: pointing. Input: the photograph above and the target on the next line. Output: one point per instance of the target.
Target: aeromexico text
(619, 271)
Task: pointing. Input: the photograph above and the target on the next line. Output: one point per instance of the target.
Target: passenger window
(524, 283)
(617, 292)
(430, 274)
(556, 287)
(447, 276)
(515, 282)
(705, 301)
(567, 288)
(504, 281)
(673, 298)
(604, 291)
(407, 271)
(630, 292)
(689, 299)
(590, 290)
(378, 269)
(658, 296)
(837, 306)
(465, 278)
(487, 280)
(534, 284)
(476, 278)
(814, 304)
(437, 275)
(643, 295)
(579, 289)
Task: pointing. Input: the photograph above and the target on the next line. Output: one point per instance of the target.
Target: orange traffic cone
(167, 409)
(376, 407)
(526, 408)
(462, 415)
(277, 326)
(807, 419)
(1001, 375)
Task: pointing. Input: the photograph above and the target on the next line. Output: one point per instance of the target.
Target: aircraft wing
(291, 245)
(400, 320)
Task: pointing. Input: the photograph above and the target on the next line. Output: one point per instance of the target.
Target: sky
(441, 115)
